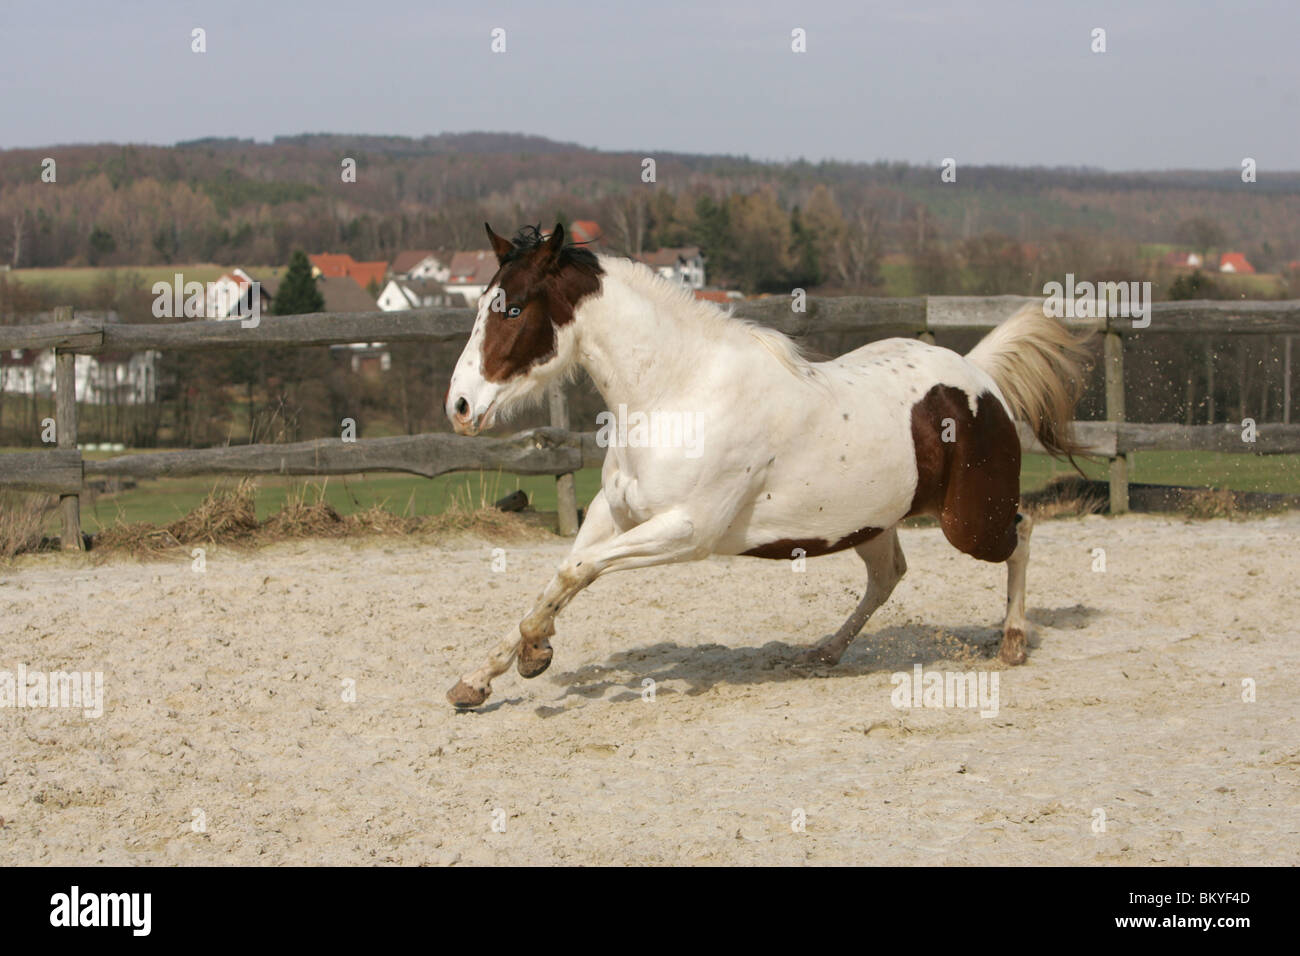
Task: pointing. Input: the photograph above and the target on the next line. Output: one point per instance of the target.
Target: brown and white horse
(791, 456)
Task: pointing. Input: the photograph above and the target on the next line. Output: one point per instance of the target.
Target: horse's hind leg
(1014, 643)
(885, 568)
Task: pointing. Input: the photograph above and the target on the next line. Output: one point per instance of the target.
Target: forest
(831, 228)
(763, 226)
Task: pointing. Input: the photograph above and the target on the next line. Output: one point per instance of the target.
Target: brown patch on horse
(545, 280)
(811, 547)
(971, 483)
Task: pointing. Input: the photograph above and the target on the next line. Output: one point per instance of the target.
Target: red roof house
(1236, 262)
(340, 266)
(584, 230)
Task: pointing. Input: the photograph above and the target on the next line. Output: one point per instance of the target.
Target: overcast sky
(1183, 84)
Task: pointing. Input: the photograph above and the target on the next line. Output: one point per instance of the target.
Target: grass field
(83, 279)
(163, 501)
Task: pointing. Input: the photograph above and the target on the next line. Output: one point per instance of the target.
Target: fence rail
(556, 450)
(860, 314)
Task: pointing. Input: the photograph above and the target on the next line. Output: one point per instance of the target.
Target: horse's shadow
(892, 649)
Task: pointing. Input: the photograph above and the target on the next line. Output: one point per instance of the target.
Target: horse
(792, 457)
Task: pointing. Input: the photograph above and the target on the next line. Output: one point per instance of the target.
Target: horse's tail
(1037, 364)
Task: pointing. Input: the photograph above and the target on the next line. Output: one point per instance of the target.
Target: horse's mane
(573, 254)
(719, 321)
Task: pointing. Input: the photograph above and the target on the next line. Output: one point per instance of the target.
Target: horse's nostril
(462, 406)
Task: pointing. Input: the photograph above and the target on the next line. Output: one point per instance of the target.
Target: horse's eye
(512, 312)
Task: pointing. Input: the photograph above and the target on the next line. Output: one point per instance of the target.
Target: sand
(226, 737)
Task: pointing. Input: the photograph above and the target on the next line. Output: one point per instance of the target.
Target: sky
(1185, 84)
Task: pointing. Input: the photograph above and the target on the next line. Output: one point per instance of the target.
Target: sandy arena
(226, 739)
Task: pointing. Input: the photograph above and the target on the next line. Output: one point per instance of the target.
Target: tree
(1201, 233)
(822, 227)
(298, 294)
(996, 264)
(1195, 286)
(101, 244)
(761, 241)
(630, 223)
(806, 259)
(19, 219)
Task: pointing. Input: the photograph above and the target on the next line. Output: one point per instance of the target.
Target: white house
(470, 273)
(227, 297)
(107, 378)
(420, 264)
(684, 265)
(27, 372)
(118, 378)
(399, 295)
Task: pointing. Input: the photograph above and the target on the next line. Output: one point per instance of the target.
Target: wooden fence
(558, 451)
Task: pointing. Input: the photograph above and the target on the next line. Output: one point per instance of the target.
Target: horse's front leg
(599, 548)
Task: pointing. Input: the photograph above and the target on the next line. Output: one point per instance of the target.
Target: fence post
(1114, 353)
(65, 425)
(566, 492)
(1286, 381)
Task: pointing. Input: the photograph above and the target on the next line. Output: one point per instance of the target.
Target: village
(415, 278)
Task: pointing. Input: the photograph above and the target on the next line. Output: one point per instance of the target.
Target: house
(1183, 260)
(684, 265)
(420, 264)
(1236, 262)
(369, 275)
(335, 266)
(228, 297)
(105, 378)
(341, 294)
(330, 264)
(581, 231)
(399, 295)
(470, 273)
(720, 296)
(27, 372)
(585, 231)
(365, 359)
(118, 378)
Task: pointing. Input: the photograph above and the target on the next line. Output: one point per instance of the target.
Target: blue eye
(512, 311)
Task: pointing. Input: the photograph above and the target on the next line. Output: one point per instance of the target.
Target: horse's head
(523, 336)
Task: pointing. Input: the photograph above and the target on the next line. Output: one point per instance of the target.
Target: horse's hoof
(534, 658)
(463, 696)
(819, 655)
(1013, 648)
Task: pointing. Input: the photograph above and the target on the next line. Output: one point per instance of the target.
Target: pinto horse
(792, 456)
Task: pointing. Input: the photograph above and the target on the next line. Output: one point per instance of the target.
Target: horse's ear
(502, 247)
(555, 241)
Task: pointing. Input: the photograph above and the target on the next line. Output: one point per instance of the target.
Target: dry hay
(23, 517)
(228, 517)
(1068, 496)
(139, 538)
(223, 517)
(1211, 503)
(302, 519)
